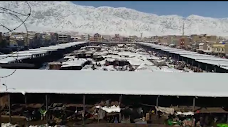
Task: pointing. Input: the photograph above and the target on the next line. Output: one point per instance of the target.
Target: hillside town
(206, 44)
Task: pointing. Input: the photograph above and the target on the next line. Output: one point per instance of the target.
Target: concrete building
(54, 38)
(35, 40)
(107, 38)
(5, 39)
(87, 37)
(17, 40)
(202, 46)
(133, 38)
(212, 39)
(63, 38)
(31, 41)
(204, 38)
(78, 38)
(117, 38)
(97, 37)
(163, 40)
(205, 47)
(83, 37)
(220, 48)
(198, 38)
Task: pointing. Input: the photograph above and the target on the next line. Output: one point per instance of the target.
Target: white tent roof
(102, 82)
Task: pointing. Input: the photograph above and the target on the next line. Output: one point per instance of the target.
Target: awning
(211, 110)
(165, 110)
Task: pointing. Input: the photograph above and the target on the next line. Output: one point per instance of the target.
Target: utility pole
(182, 39)
(183, 29)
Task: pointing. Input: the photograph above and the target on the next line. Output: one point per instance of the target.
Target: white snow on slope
(67, 16)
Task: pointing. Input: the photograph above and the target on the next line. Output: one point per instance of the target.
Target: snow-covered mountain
(67, 16)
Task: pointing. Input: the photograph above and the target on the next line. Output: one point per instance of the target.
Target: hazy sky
(216, 9)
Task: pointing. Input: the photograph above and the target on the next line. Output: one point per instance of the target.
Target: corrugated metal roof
(193, 55)
(41, 50)
(108, 82)
(12, 59)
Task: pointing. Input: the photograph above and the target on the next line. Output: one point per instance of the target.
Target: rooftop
(73, 62)
(115, 82)
(27, 54)
(208, 59)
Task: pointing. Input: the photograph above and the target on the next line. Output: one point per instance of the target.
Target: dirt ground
(20, 120)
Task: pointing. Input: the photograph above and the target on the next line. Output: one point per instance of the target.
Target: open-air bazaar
(113, 84)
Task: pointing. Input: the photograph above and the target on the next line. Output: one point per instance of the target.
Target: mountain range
(56, 16)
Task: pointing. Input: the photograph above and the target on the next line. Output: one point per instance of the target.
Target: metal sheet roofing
(12, 59)
(108, 82)
(21, 54)
(192, 55)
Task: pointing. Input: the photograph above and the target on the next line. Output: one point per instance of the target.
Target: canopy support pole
(193, 110)
(46, 98)
(157, 101)
(120, 99)
(9, 104)
(83, 113)
(25, 107)
(194, 104)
